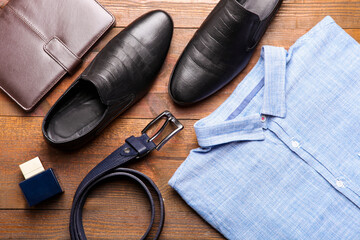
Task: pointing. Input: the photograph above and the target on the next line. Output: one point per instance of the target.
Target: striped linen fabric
(280, 158)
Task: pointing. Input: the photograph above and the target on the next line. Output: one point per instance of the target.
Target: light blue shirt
(280, 159)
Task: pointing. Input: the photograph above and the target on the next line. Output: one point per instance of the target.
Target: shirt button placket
(340, 184)
(295, 144)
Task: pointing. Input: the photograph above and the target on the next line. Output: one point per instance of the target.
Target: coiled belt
(110, 167)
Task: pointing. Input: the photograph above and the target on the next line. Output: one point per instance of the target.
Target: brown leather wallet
(42, 40)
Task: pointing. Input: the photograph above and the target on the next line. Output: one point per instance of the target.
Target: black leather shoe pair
(221, 48)
(123, 71)
(118, 77)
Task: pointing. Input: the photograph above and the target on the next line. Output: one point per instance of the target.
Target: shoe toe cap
(155, 27)
(190, 83)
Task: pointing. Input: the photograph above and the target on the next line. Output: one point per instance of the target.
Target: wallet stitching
(66, 47)
(36, 100)
(57, 59)
(41, 95)
(28, 23)
(42, 37)
(101, 33)
(51, 85)
(81, 55)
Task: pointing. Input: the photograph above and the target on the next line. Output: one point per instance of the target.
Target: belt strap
(110, 167)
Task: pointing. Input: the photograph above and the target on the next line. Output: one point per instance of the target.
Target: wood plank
(119, 209)
(158, 99)
(191, 13)
(117, 218)
(21, 140)
(115, 210)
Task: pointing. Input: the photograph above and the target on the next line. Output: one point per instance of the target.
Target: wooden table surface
(119, 210)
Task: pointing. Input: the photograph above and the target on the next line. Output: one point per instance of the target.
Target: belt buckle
(169, 119)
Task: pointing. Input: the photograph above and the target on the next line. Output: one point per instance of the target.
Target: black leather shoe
(221, 48)
(120, 75)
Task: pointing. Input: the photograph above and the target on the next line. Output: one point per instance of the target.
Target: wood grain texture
(158, 98)
(293, 14)
(3, 3)
(16, 146)
(119, 210)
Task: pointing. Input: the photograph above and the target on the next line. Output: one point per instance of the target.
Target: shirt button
(340, 184)
(295, 144)
(263, 119)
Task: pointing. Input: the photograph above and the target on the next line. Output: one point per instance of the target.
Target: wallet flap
(42, 40)
(27, 71)
(62, 55)
(79, 24)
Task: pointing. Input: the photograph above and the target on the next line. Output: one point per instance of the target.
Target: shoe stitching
(201, 40)
(231, 15)
(137, 53)
(218, 30)
(104, 76)
(132, 60)
(225, 24)
(110, 83)
(215, 40)
(145, 47)
(128, 57)
(202, 67)
(216, 65)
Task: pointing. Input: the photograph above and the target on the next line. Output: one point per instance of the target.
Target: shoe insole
(76, 114)
(262, 8)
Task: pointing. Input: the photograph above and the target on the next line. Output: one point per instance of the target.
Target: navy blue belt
(110, 167)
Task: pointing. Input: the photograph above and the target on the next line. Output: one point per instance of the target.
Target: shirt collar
(274, 103)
